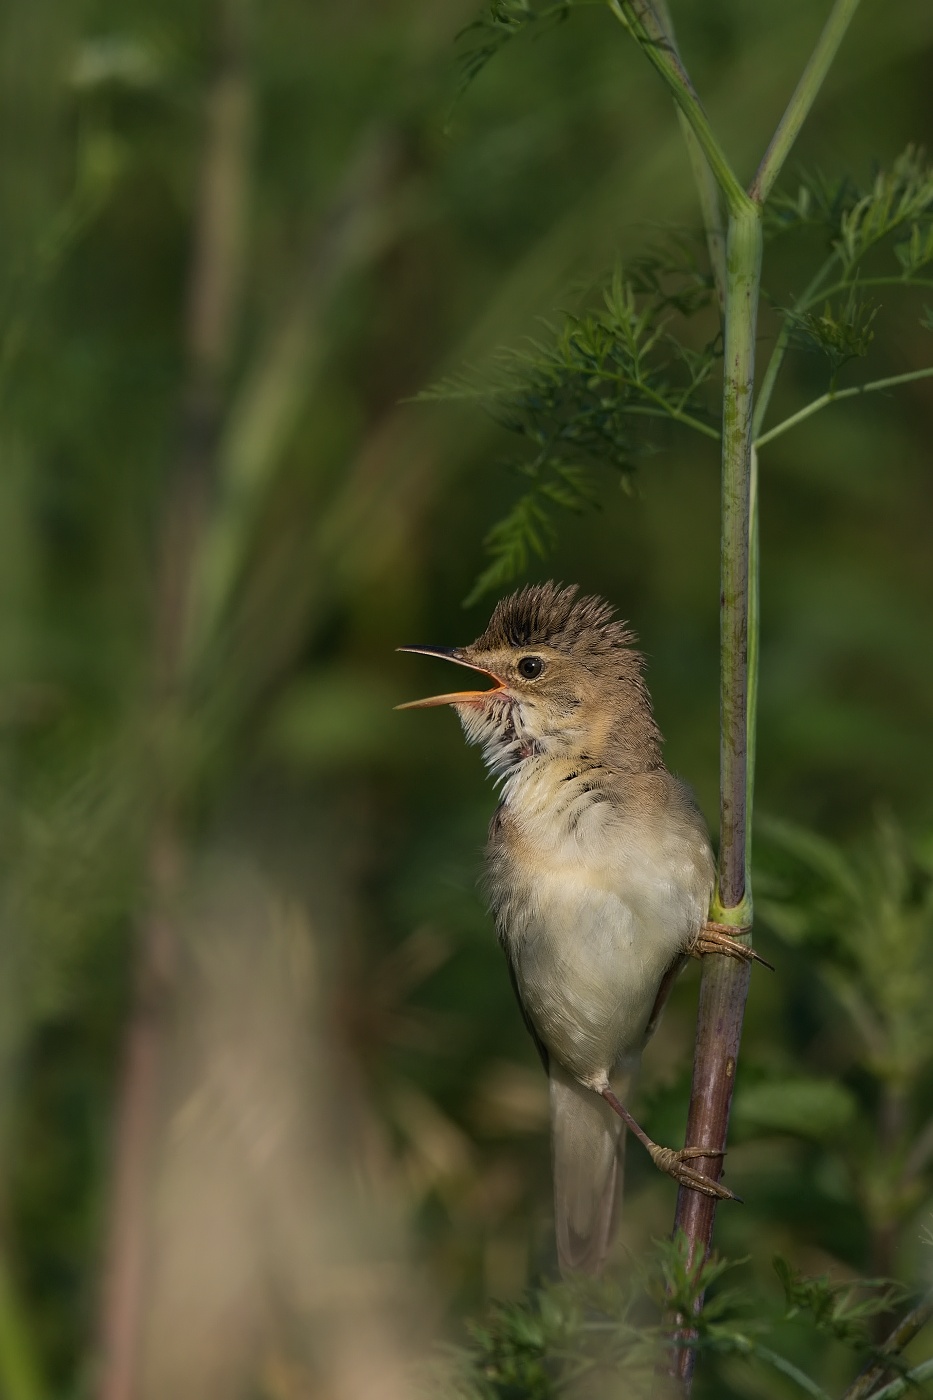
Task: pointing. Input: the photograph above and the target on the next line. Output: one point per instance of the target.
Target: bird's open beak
(456, 697)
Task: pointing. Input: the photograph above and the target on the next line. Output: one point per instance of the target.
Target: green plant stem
(835, 396)
(754, 632)
(744, 278)
(665, 408)
(905, 1383)
(787, 1368)
(814, 292)
(769, 378)
(710, 209)
(846, 284)
(804, 96)
(903, 1333)
(640, 19)
(704, 179)
(668, 413)
(724, 985)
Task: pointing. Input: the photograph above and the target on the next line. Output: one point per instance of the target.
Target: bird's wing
(529, 1023)
(664, 991)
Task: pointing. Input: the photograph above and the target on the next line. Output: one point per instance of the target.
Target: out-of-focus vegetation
(238, 910)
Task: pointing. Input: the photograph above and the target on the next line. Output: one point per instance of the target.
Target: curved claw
(672, 1161)
(666, 1159)
(717, 938)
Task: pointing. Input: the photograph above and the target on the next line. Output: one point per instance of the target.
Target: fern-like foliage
(596, 1337)
(842, 330)
(500, 22)
(896, 208)
(840, 1310)
(586, 1337)
(584, 396)
(879, 236)
(868, 919)
(589, 392)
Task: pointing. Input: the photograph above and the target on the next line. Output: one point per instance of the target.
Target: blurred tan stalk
(214, 297)
(269, 1269)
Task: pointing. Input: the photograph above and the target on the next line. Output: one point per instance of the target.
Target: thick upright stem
(724, 985)
(743, 272)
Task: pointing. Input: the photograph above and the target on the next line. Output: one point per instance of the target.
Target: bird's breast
(594, 900)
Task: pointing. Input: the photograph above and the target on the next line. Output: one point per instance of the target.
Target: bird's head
(566, 683)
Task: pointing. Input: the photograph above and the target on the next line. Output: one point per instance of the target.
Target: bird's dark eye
(530, 667)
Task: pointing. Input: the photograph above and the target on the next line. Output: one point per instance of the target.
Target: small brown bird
(599, 875)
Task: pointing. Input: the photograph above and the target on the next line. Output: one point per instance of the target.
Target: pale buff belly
(594, 904)
(589, 962)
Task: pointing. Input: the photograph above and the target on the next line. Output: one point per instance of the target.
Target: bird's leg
(717, 938)
(671, 1161)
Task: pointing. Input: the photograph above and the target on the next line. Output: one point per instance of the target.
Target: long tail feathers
(588, 1149)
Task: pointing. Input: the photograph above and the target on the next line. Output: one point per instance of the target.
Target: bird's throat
(498, 726)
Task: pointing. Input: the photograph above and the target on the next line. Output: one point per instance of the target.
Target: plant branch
(904, 1383)
(705, 181)
(846, 285)
(642, 22)
(787, 1368)
(665, 408)
(710, 209)
(769, 378)
(835, 395)
(902, 1335)
(724, 985)
(803, 98)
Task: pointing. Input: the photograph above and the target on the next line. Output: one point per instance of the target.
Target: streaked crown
(549, 614)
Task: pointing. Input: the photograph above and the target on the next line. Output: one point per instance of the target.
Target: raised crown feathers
(549, 614)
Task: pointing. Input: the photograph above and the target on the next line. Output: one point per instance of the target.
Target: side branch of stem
(805, 93)
(641, 20)
(835, 396)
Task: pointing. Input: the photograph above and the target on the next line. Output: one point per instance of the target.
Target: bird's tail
(588, 1150)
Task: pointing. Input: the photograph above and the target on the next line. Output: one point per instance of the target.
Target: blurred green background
(238, 911)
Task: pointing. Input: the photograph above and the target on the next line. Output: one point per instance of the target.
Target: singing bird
(599, 873)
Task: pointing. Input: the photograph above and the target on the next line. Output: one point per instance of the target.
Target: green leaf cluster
(586, 395)
(841, 1310)
(578, 1337)
(842, 332)
(589, 392)
(868, 918)
(858, 220)
(599, 1338)
(500, 22)
(863, 920)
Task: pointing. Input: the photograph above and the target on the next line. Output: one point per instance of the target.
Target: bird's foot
(717, 938)
(674, 1164)
(671, 1161)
